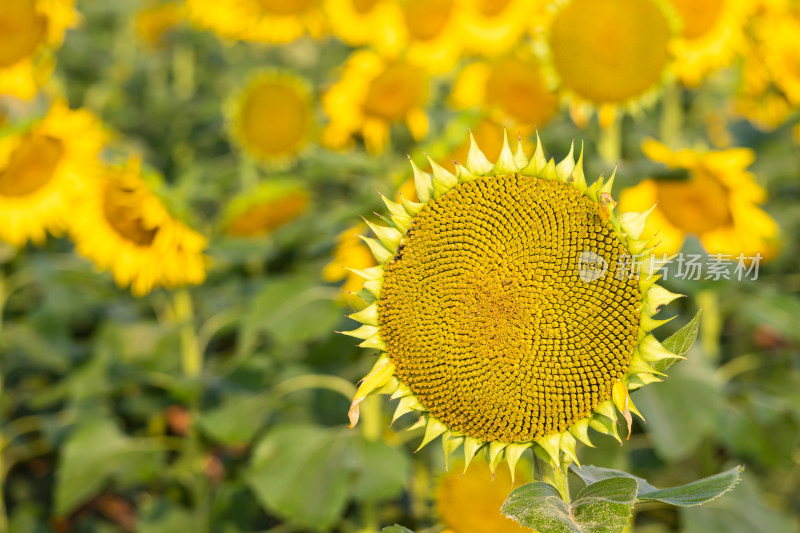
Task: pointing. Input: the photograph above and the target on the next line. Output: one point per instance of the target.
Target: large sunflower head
(41, 168)
(123, 226)
(717, 202)
(264, 209)
(272, 118)
(29, 27)
(609, 54)
(504, 307)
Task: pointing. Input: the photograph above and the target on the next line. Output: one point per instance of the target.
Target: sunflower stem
(191, 358)
(610, 143)
(671, 115)
(708, 301)
(561, 482)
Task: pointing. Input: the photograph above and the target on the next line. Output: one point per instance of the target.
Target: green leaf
(694, 493)
(697, 492)
(396, 529)
(302, 472)
(237, 420)
(97, 453)
(602, 507)
(383, 470)
(679, 343)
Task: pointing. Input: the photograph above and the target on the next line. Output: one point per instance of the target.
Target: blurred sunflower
(431, 35)
(350, 253)
(718, 203)
(511, 91)
(41, 168)
(372, 94)
(366, 22)
(623, 65)
(30, 28)
(494, 27)
(266, 208)
(470, 502)
(269, 21)
(122, 226)
(777, 34)
(153, 22)
(272, 118)
(712, 36)
(462, 282)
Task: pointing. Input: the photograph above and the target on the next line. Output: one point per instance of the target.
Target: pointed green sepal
(520, 157)
(380, 253)
(432, 430)
(633, 223)
(495, 454)
(443, 180)
(450, 444)
(638, 365)
(606, 426)
(389, 237)
(476, 162)
(422, 183)
(552, 445)
(464, 175)
(658, 296)
(648, 323)
(651, 350)
(368, 315)
(420, 423)
(578, 178)
(364, 332)
(412, 208)
(471, 447)
(505, 163)
(513, 452)
(405, 405)
(402, 391)
(580, 430)
(567, 165)
(637, 381)
(606, 187)
(568, 447)
(374, 342)
(374, 286)
(370, 273)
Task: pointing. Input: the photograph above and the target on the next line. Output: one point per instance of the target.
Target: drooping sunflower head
(506, 309)
(123, 226)
(272, 118)
(28, 27)
(609, 54)
(269, 206)
(41, 168)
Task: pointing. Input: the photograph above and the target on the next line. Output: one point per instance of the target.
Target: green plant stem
(708, 301)
(316, 381)
(610, 143)
(191, 358)
(561, 482)
(671, 115)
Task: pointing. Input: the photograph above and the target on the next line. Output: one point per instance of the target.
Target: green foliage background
(102, 431)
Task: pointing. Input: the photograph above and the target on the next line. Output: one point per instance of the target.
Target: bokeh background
(181, 185)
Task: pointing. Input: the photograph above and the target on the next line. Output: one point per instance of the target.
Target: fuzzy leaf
(679, 343)
(697, 492)
(603, 507)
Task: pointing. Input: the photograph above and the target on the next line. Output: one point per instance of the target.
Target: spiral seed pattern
(486, 319)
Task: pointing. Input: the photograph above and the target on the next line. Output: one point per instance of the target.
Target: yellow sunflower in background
(504, 311)
(470, 502)
(377, 23)
(351, 254)
(122, 226)
(153, 22)
(712, 36)
(372, 94)
(511, 91)
(718, 203)
(264, 209)
(431, 33)
(40, 170)
(777, 34)
(494, 27)
(272, 118)
(610, 54)
(268, 21)
(28, 28)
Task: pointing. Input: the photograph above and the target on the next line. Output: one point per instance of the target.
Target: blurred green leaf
(98, 453)
(237, 420)
(602, 507)
(396, 529)
(383, 470)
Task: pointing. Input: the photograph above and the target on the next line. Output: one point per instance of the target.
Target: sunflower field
(400, 265)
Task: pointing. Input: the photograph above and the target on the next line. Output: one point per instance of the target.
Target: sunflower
(430, 35)
(711, 38)
(718, 203)
(269, 206)
(777, 36)
(154, 22)
(30, 28)
(272, 118)
(350, 256)
(124, 227)
(470, 502)
(372, 94)
(511, 91)
(504, 311)
(493, 27)
(39, 170)
(376, 23)
(607, 55)
(268, 21)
